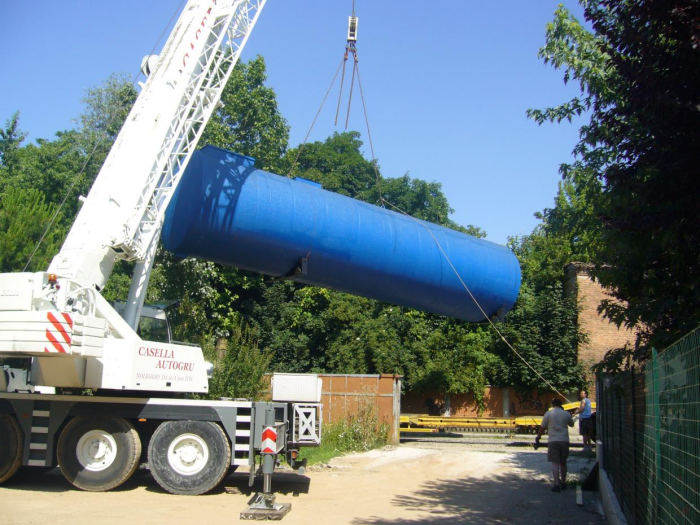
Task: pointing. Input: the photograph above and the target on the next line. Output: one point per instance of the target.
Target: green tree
(25, 209)
(453, 357)
(639, 77)
(53, 167)
(249, 122)
(287, 323)
(543, 328)
(64, 168)
(24, 216)
(338, 165)
(11, 139)
(568, 232)
(239, 369)
(105, 110)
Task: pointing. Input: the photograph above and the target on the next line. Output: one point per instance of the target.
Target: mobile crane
(76, 340)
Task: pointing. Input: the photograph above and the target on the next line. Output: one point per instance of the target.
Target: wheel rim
(188, 454)
(96, 450)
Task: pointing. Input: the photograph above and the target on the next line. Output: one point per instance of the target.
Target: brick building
(602, 334)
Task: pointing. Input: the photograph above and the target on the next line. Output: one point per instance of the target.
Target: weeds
(239, 367)
(358, 432)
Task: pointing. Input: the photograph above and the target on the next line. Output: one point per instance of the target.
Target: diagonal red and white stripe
(58, 337)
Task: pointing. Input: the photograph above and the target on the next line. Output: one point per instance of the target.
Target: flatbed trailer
(410, 423)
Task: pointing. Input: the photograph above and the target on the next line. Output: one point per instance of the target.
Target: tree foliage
(650, 206)
(543, 328)
(24, 216)
(338, 164)
(11, 139)
(282, 325)
(249, 122)
(239, 367)
(40, 183)
(639, 76)
(106, 109)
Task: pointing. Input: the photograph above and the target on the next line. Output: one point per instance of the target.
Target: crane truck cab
(154, 323)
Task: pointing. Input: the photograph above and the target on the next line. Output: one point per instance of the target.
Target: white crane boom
(75, 337)
(122, 214)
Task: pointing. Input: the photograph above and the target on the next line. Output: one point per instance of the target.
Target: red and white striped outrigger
(53, 332)
(56, 334)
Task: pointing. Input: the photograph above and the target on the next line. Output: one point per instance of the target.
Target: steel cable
(301, 147)
(382, 200)
(491, 323)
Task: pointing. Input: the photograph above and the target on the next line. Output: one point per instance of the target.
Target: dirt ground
(438, 483)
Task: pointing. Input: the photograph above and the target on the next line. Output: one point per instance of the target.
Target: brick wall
(499, 402)
(602, 334)
(433, 403)
(342, 394)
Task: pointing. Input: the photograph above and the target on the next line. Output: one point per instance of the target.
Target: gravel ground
(443, 482)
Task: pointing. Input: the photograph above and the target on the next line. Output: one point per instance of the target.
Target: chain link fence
(649, 425)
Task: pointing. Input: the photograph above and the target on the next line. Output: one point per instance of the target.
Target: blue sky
(446, 84)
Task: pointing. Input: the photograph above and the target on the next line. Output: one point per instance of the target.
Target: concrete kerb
(611, 507)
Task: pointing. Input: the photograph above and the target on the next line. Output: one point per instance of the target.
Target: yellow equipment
(414, 423)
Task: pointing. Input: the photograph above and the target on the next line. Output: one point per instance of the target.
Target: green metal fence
(649, 424)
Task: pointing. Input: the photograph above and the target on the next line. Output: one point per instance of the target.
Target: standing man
(585, 421)
(556, 421)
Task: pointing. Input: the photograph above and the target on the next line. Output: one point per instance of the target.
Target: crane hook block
(352, 29)
(226, 211)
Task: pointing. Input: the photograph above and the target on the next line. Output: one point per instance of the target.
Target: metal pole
(264, 506)
(657, 432)
(139, 284)
(268, 459)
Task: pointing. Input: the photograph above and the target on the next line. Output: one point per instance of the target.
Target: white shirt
(557, 421)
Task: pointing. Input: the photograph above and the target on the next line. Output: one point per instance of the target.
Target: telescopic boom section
(123, 213)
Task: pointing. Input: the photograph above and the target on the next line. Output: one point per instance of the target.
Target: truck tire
(98, 453)
(189, 457)
(11, 446)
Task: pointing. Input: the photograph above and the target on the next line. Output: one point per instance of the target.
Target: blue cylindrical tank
(227, 211)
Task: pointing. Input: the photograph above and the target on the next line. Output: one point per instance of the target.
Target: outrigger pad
(278, 512)
(264, 507)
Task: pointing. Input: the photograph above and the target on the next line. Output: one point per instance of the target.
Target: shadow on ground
(525, 499)
(38, 480)
(52, 480)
